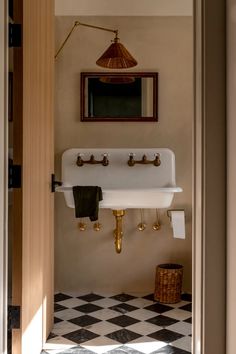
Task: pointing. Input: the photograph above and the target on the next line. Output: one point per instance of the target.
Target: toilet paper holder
(170, 210)
(177, 221)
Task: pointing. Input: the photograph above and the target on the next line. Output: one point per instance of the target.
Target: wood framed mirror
(116, 96)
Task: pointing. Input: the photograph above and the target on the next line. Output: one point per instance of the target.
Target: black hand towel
(87, 200)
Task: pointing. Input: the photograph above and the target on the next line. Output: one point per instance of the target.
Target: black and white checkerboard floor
(119, 324)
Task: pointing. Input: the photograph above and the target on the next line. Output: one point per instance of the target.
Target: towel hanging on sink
(87, 200)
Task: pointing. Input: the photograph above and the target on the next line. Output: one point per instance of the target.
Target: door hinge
(14, 176)
(14, 317)
(15, 35)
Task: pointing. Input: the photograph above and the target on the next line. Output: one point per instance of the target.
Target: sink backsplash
(118, 174)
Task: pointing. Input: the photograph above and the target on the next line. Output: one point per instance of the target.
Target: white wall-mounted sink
(140, 186)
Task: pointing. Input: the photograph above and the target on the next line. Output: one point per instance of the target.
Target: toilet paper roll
(178, 223)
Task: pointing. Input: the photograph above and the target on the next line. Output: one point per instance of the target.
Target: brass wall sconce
(115, 57)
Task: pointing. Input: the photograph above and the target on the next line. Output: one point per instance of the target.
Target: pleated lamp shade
(116, 57)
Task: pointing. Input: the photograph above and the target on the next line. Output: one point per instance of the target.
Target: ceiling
(123, 7)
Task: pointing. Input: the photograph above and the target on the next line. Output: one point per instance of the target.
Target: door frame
(3, 176)
(209, 222)
(209, 212)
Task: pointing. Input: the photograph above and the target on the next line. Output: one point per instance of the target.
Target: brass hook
(141, 225)
(82, 225)
(157, 225)
(97, 226)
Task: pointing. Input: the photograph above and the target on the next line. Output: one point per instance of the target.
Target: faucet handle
(131, 161)
(105, 154)
(80, 161)
(105, 161)
(157, 160)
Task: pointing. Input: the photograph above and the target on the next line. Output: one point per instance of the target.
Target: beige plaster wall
(86, 261)
(123, 8)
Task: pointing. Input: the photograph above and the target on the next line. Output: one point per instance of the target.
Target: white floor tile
(139, 302)
(144, 328)
(184, 343)
(71, 303)
(146, 345)
(106, 302)
(55, 345)
(77, 293)
(101, 345)
(68, 314)
(64, 327)
(103, 328)
(181, 327)
(104, 314)
(178, 314)
(142, 314)
(179, 304)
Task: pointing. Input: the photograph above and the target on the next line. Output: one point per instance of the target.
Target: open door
(32, 251)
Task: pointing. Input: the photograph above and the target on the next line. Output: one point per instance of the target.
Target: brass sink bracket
(144, 161)
(118, 233)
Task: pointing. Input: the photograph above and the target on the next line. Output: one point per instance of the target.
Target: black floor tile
(123, 297)
(123, 308)
(88, 308)
(123, 321)
(159, 308)
(80, 336)
(51, 335)
(84, 321)
(187, 307)
(188, 320)
(123, 336)
(164, 335)
(61, 297)
(90, 297)
(58, 307)
(170, 350)
(162, 321)
(149, 297)
(57, 320)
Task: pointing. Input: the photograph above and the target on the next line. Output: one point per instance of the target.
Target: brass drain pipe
(118, 233)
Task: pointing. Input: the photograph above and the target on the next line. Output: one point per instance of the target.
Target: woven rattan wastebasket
(168, 284)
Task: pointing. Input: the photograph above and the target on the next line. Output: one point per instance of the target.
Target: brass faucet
(156, 162)
(80, 162)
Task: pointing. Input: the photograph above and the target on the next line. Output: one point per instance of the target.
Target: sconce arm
(76, 24)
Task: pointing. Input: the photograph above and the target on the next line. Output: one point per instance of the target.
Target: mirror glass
(119, 96)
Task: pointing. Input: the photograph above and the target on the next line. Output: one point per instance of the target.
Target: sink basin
(139, 186)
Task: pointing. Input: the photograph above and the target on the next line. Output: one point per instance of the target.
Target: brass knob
(97, 226)
(82, 226)
(141, 226)
(156, 226)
